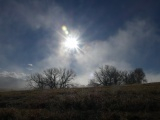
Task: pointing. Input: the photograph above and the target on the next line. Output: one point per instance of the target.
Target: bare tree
(139, 75)
(107, 75)
(59, 78)
(124, 77)
(51, 77)
(65, 77)
(36, 81)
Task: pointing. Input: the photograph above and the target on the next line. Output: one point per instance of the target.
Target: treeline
(109, 75)
(105, 76)
(52, 78)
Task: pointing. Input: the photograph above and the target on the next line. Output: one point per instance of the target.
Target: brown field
(130, 102)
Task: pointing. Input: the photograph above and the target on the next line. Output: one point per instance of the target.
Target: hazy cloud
(12, 80)
(13, 74)
(30, 69)
(118, 50)
(153, 77)
(130, 44)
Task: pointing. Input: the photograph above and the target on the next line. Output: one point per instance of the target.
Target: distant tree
(52, 78)
(93, 83)
(136, 76)
(107, 75)
(124, 77)
(36, 81)
(65, 77)
(131, 78)
(139, 75)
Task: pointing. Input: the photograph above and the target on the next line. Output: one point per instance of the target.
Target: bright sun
(71, 43)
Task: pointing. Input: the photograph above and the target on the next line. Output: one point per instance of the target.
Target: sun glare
(71, 43)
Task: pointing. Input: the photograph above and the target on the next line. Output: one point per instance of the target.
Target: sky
(121, 33)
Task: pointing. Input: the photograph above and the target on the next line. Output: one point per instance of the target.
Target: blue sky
(125, 34)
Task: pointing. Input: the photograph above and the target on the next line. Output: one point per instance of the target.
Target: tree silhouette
(139, 75)
(107, 75)
(93, 83)
(52, 78)
(65, 77)
(124, 77)
(36, 81)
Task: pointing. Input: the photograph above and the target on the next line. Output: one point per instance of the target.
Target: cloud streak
(12, 80)
(30, 65)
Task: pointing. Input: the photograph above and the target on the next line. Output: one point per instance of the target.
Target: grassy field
(132, 102)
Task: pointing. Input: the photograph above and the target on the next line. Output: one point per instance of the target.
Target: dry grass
(133, 102)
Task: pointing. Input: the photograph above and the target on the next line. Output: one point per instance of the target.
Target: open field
(132, 102)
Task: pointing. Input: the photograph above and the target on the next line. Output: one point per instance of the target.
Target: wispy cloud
(30, 65)
(13, 74)
(12, 80)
